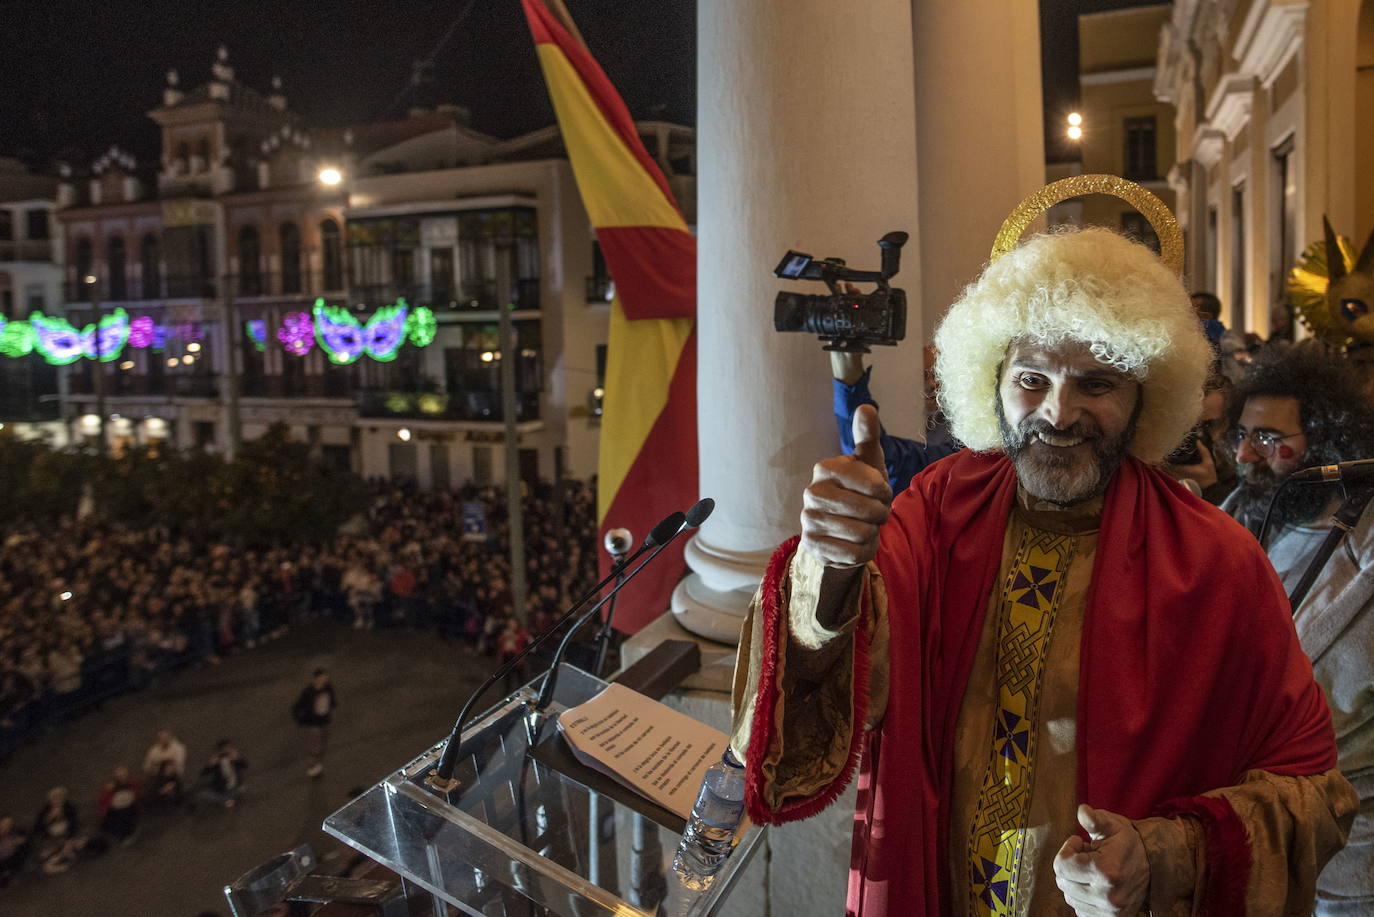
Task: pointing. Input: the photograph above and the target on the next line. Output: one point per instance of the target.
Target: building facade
(1274, 127)
(30, 281)
(345, 283)
(1122, 129)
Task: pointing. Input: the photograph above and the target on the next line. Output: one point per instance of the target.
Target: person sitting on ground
(118, 805)
(165, 787)
(224, 774)
(56, 832)
(14, 848)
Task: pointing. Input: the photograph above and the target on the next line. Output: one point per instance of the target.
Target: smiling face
(1066, 420)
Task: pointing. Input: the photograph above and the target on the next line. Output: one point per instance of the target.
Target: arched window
(250, 262)
(150, 256)
(115, 256)
(290, 238)
(331, 247)
(83, 262)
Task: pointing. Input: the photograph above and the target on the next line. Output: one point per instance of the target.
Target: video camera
(846, 322)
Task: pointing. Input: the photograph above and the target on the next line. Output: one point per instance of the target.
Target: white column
(805, 140)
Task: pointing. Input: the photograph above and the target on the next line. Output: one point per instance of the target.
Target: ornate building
(1274, 118)
(343, 282)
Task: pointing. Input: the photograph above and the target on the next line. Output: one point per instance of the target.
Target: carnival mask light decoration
(344, 339)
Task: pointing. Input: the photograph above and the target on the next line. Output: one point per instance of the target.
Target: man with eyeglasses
(1296, 409)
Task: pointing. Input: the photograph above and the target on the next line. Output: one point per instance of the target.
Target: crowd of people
(93, 609)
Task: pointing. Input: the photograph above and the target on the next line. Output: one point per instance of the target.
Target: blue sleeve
(905, 457)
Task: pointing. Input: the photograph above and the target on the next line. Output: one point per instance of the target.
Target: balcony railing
(467, 405)
(141, 289)
(472, 296)
(27, 250)
(285, 284)
(128, 383)
(339, 384)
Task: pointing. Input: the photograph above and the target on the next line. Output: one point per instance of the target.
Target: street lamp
(330, 176)
(1075, 130)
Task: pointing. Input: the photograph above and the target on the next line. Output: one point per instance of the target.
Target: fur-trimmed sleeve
(803, 696)
(1251, 849)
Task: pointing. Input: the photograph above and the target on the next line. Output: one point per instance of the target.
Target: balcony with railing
(121, 383)
(286, 284)
(141, 289)
(474, 406)
(470, 296)
(39, 250)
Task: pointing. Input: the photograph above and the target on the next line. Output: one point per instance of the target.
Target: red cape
(1190, 675)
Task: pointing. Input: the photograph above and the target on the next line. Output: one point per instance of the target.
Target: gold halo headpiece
(1153, 209)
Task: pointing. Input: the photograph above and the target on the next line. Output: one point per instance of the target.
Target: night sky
(85, 74)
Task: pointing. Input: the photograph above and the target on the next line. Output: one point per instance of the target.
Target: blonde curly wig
(1088, 285)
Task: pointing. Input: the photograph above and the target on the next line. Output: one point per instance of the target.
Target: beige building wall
(1126, 130)
(1272, 116)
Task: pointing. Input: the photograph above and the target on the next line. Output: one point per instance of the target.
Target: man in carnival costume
(1071, 686)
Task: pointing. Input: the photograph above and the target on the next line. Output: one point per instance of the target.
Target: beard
(1256, 484)
(1058, 476)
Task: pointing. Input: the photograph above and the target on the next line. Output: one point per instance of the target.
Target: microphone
(442, 779)
(693, 518)
(617, 542)
(1344, 472)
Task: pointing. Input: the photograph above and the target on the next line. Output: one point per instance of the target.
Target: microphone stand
(1343, 522)
(603, 636)
(442, 778)
(551, 674)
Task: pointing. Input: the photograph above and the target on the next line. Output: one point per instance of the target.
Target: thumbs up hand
(848, 499)
(1108, 874)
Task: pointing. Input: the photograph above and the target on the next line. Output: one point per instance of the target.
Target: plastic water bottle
(715, 818)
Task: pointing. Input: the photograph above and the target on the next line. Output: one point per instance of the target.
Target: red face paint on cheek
(1285, 452)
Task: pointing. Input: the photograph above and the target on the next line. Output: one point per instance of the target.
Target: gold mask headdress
(1154, 210)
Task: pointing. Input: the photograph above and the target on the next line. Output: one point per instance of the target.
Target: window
(115, 261)
(1140, 161)
(403, 268)
(150, 257)
(331, 244)
(6, 226)
(37, 218)
(1210, 278)
(599, 283)
(290, 238)
(34, 299)
(82, 260)
(441, 274)
(203, 432)
(480, 234)
(1283, 237)
(1137, 227)
(250, 261)
(1238, 307)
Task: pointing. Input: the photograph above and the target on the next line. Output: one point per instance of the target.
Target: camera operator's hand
(1204, 472)
(846, 367)
(848, 499)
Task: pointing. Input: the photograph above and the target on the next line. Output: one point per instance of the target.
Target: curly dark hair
(1335, 412)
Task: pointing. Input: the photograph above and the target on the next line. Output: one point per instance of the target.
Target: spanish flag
(648, 450)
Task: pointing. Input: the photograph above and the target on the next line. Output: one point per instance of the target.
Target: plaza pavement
(398, 693)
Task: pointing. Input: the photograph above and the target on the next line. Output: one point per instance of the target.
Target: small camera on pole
(848, 322)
